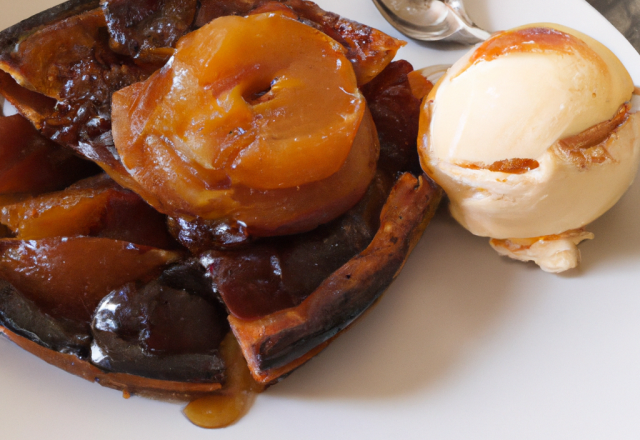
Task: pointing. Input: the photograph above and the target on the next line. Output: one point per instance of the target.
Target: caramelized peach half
(32, 164)
(68, 277)
(257, 120)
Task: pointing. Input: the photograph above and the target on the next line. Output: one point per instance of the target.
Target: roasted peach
(279, 140)
(96, 207)
(69, 276)
(32, 164)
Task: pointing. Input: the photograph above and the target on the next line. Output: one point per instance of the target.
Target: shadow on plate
(617, 235)
(449, 294)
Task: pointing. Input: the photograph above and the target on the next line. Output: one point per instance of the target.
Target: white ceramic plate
(464, 345)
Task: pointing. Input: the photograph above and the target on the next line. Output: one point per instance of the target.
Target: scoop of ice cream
(533, 133)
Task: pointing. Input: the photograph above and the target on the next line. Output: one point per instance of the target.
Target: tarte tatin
(191, 187)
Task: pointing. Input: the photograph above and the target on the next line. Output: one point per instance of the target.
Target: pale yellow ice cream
(509, 134)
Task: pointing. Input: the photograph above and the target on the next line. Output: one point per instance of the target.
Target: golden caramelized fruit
(96, 207)
(278, 139)
(68, 277)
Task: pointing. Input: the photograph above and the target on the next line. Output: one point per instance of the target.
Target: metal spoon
(432, 20)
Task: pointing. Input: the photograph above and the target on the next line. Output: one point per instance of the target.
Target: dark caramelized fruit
(68, 277)
(162, 332)
(90, 280)
(158, 24)
(281, 272)
(395, 109)
(32, 164)
(23, 317)
(81, 118)
(277, 343)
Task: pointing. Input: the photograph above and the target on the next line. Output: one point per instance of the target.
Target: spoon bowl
(432, 20)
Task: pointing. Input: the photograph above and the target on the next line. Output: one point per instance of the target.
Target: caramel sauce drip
(510, 166)
(583, 149)
(521, 244)
(589, 147)
(227, 406)
(530, 40)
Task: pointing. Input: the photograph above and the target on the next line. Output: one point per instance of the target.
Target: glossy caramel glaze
(31, 164)
(280, 342)
(228, 405)
(531, 40)
(368, 49)
(68, 277)
(76, 41)
(214, 139)
(90, 46)
(509, 166)
(96, 207)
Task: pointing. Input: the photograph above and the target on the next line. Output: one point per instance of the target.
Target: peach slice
(32, 164)
(68, 277)
(214, 135)
(96, 207)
